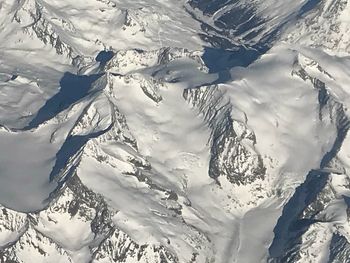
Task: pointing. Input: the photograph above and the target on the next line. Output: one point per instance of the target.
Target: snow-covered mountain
(174, 131)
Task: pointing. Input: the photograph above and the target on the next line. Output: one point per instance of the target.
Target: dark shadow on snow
(308, 6)
(72, 89)
(104, 56)
(290, 226)
(218, 60)
(288, 230)
(70, 148)
(224, 54)
(221, 61)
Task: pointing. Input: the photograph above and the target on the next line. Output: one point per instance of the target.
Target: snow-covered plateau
(162, 131)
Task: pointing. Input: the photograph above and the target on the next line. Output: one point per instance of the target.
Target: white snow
(223, 222)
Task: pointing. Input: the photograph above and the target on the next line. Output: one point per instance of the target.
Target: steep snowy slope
(329, 24)
(248, 22)
(162, 131)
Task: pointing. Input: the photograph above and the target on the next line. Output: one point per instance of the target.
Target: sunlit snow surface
(119, 121)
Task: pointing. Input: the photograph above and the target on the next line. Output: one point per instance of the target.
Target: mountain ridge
(174, 132)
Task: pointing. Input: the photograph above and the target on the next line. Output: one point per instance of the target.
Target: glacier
(174, 131)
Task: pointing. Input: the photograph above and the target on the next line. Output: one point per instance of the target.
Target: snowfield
(174, 131)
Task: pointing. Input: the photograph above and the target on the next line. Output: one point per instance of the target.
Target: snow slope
(162, 131)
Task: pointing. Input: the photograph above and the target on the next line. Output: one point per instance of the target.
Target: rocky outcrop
(326, 27)
(135, 60)
(339, 249)
(48, 237)
(31, 15)
(309, 223)
(232, 143)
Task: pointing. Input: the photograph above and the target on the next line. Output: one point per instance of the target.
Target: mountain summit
(181, 131)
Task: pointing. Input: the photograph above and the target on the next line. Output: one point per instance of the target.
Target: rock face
(329, 25)
(232, 143)
(35, 20)
(162, 131)
(251, 23)
(47, 236)
(315, 224)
